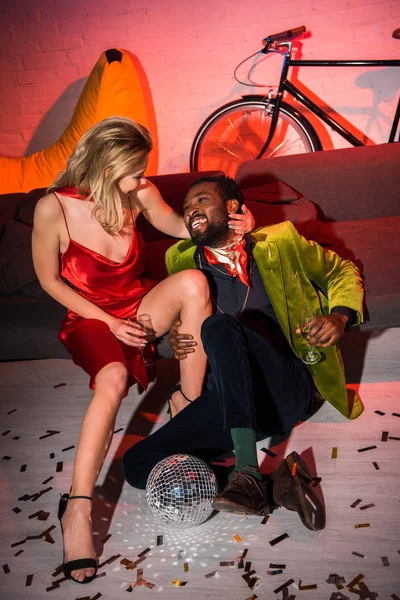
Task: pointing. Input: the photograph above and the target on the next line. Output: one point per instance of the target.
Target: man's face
(206, 215)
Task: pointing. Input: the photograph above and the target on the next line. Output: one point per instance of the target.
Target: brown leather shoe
(294, 493)
(244, 494)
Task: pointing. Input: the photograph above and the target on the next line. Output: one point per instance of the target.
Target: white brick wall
(189, 51)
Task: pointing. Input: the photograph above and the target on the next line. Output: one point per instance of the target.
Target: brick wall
(189, 50)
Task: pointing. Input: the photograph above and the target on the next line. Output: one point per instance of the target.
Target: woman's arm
(165, 219)
(46, 260)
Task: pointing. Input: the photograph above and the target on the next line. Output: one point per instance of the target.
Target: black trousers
(257, 384)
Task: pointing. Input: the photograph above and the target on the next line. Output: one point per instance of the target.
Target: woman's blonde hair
(107, 152)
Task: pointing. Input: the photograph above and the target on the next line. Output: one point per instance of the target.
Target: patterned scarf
(233, 258)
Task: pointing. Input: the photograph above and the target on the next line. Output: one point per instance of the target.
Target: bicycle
(255, 126)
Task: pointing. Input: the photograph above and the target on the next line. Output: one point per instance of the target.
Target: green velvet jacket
(289, 266)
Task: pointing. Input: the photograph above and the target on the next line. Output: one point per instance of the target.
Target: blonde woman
(88, 255)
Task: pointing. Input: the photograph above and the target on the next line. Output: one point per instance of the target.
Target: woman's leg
(94, 441)
(185, 295)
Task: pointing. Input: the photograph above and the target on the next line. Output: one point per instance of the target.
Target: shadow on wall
(55, 121)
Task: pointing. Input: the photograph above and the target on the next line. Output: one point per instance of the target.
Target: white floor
(310, 557)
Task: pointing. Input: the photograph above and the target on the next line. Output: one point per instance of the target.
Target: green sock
(244, 443)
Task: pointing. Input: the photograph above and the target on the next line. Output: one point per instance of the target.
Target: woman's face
(131, 182)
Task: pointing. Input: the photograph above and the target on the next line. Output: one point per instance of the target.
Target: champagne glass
(307, 320)
(144, 320)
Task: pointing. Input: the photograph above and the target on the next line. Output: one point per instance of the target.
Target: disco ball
(180, 490)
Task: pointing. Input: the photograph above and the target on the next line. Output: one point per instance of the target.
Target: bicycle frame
(287, 86)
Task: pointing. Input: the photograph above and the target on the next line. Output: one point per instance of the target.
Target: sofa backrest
(346, 184)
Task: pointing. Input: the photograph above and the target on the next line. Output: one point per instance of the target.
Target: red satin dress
(116, 288)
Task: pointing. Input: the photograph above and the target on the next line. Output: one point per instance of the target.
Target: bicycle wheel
(237, 131)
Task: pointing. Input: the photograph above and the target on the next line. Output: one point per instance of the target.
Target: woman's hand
(242, 223)
(129, 332)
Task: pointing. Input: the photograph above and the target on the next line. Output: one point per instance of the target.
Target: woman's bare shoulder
(48, 208)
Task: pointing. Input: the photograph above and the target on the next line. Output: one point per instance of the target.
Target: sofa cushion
(373, 244)
(26, 206)
(154, 258)
(276, 201)
(16, 267)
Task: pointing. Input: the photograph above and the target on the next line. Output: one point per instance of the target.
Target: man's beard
(217, 233)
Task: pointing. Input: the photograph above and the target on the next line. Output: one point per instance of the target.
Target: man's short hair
(227, 187)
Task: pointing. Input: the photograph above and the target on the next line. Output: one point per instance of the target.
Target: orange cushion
(112, 89)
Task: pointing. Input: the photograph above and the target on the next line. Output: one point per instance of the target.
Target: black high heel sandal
(80, 563)
(168, 397)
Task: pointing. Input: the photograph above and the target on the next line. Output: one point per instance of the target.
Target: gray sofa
(348, 200)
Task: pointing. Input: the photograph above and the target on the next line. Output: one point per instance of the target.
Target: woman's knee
(113, 379)
(195, 284)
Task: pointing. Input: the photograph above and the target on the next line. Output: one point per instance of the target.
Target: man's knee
(216, 326)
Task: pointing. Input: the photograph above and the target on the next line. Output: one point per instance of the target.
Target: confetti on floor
(334, 452)
(356, 503)
(237, 538)
(279, 539)
(367, 448)
(359, 555)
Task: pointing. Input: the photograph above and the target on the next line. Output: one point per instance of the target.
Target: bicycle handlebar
(284, 35)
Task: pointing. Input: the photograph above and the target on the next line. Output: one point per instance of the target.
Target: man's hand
(181, 343)
(326, 331)
(242, 223)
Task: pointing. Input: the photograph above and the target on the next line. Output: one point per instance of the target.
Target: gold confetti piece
(247, 566)
(6, 569)
(385, 561)
(276, 572)
(59, 467)
(149, 585)
(365, 449)
(276, 566)
(395, 415)
(391, 437)
(316, 481)
(16, 437)
(334, 452)
(379, 412)
(118, 430)
(23, 468)
(186, 567)
(240, 563)
(237, 538)
(6, 457)
(29, 579)
(179, 583)
(160, 540)
(367, 506)
(244, 553)
(359, 555)
(294, 469)
(212, 574)
(144, 552)
(253, 597)
(360, 525)
(376, 465)
(67, 448)
(59, 385)
(16, 510)
(279, 539)
(265, 519)
(52, 455)
(283, 586)
(227, 563)
(47, 480)
(106, 538)
(181, 554)
(356, 580)
(11, 411)
(18, 553)
(6, 432)
(384, 437)
(312, 586)
(356, 503)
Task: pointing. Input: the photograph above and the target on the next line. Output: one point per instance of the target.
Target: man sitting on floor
(259, 286)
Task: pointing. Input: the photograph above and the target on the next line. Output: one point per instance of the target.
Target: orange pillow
(117, 88)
